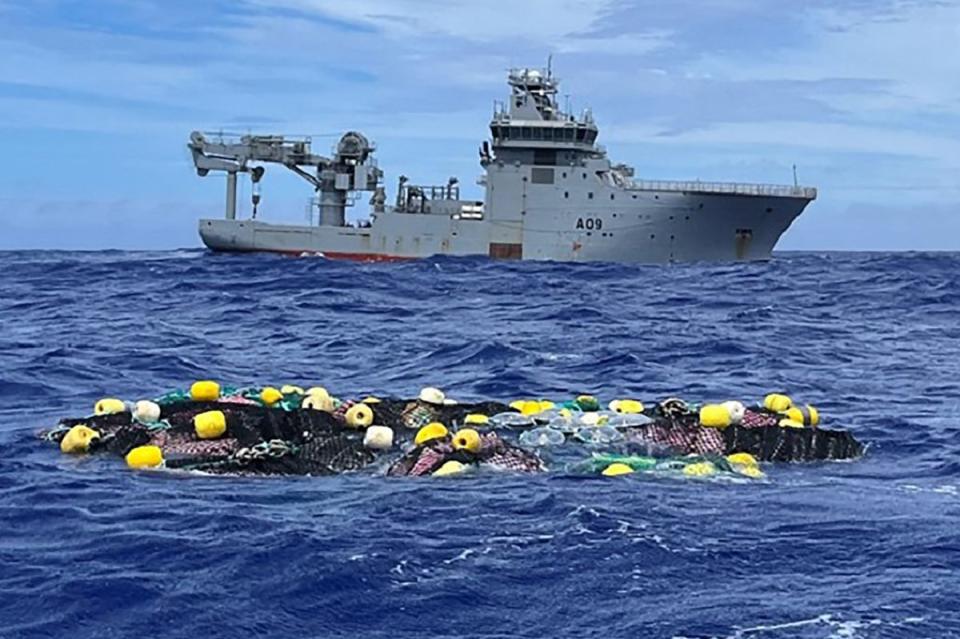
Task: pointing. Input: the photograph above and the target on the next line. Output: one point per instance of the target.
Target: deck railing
(732, 188)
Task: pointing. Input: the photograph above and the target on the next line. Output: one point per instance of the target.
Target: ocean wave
(865, 548)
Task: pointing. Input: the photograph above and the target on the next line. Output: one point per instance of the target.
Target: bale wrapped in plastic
(326, 454)
(493, 451)
(409, 415)
(668, 437)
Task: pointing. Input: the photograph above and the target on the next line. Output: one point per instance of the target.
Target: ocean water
(856, 549)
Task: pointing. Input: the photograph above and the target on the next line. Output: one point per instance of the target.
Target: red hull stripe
(333, 255)
(366, 257)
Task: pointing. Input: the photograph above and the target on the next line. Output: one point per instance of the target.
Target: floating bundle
(289, 430)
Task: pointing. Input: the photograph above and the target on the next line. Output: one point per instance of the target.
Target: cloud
(542, 21)
(912, 48)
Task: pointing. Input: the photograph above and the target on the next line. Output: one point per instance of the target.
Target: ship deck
(725, 188)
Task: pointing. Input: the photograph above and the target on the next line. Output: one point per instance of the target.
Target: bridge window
(545, 157)
(526, 133)
(568, 134)
(591, 136)
(580, 134)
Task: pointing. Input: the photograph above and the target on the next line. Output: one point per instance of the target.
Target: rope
(273, 449)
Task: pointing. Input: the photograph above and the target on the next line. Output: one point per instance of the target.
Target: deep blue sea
(869, 548)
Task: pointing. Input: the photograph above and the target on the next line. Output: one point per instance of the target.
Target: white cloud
(847, 138)
(544, 21)
(916, 51)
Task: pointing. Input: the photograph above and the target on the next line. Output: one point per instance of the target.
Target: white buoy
(378, 438)
(146, 412)
(432, 395)
(737, 410)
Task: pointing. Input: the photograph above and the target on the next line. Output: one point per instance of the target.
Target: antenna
(795, 184)
(550, 66)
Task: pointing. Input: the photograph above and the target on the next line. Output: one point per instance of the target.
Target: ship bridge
(532, 119)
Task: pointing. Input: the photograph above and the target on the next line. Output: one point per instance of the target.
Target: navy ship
(550, 193)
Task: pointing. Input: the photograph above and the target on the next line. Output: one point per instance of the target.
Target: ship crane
(351, 169)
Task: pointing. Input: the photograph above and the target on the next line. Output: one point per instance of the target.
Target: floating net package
(289, 430)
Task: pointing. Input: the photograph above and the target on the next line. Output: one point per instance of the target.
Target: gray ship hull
(660, 226)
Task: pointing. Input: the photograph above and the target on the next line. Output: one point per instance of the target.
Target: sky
(98, 98)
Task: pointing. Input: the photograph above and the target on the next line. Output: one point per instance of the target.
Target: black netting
(775, 443)
(122, 440)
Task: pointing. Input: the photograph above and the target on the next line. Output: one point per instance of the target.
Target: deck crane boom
(352, 167)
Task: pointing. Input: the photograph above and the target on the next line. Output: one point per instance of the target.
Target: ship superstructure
(551, 193)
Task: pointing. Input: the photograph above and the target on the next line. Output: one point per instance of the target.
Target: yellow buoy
(318, 390)
(700, 469)
(433, 430)
(777, 402)
(806, 415)
(530, 406)
(109, 406)
(210, 425)
(467, 439)
(752, 472)
(714, 416)
(77, 440)
(317, 402)
(742, 459)
(145, 457)
(270, 396)
(451, 467)
(476, 419)
(359, 416)
(626, 406)
(616, 469)
(290, 389)
(205, 391)
(789, 423)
